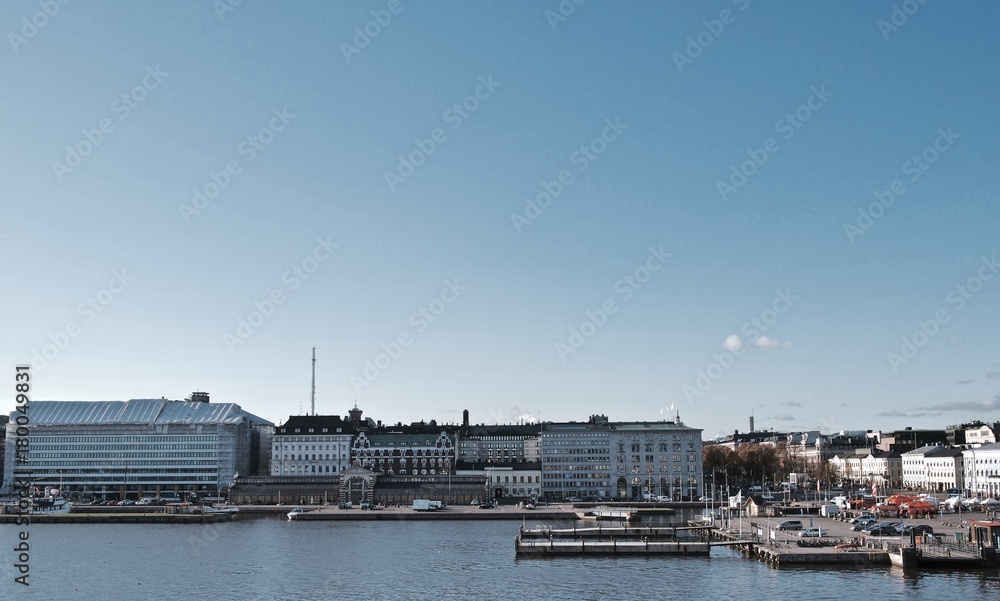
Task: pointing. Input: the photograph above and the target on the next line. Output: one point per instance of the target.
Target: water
(272, 559)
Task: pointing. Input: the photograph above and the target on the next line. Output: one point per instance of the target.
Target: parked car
(864, 517)
(862, 525)
(920, 529)
(790, 525)
(346, 505)
(811, 532)
(705, 499)
(883, 529)
(574, 500)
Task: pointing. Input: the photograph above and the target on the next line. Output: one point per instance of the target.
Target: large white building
(934, 468)
(982, 470)
(126, 449)
(311, 445)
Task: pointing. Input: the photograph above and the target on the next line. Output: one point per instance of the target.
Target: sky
(530, 210)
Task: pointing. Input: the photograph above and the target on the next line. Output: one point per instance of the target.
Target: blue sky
(352, 182)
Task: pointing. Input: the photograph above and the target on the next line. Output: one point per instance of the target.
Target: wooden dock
(553, 547)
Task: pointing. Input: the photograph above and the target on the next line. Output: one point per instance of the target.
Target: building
(4, 419)
(659, 458)
(982, 434)
(514, 480)
(576, 459)
(507, 456)
(498, 444)
(982, 470)
(884, 468)
(848, 466)
(933, 468)
(909, 439)
(127, 449)
(405, 452)
(311, 445)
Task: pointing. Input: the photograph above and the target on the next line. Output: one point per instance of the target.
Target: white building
(883, 468)
(933, 468)
(984, 434)
(982, 470)
(519, 481)
(311, 445)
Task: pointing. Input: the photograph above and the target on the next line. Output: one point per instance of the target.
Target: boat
(295, 513)
(214, 509)
(52, 503)
(605, 513)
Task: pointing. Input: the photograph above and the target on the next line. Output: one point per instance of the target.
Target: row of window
(128, 447)
(99, 455)
(292, 447)
(155, 465)
(142, 438)
(506, 479)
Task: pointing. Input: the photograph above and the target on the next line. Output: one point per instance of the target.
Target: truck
(435, 505)
(828, 511)
(422, 505)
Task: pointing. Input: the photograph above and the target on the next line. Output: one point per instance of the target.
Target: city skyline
(549, 210)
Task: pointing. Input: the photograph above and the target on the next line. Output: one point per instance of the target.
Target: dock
(608, 547)
(121, 518)
(840, 546)
(610, 540)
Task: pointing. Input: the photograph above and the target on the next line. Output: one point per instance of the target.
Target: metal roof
(137, 411)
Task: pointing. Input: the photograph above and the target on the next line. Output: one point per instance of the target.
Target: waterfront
(272, 558)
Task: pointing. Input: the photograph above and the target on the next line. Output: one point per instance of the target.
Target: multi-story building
(982, 434)
(311, 445)
(3, 447)
(848, 466)
(660, 458)
(498, 444)
(405, 452)
(576, 459)
(982, 470)
(909, 439)
(115, 449)
(884, 468)
(933, 467)
(517, 480)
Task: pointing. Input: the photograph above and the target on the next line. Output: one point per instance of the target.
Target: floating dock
(531, 547)
(609, 540)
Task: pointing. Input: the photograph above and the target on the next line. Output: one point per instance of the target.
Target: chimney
(751, 424)
(465, 419)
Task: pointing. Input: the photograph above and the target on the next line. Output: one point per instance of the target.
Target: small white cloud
(732, 343)
(764, 342)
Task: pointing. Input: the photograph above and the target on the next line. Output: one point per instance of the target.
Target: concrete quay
(452, 512)
(840, 545)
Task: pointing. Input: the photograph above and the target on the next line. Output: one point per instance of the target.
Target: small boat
(214, 509)
(604, 513)
(295, 513)
(52, 503)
